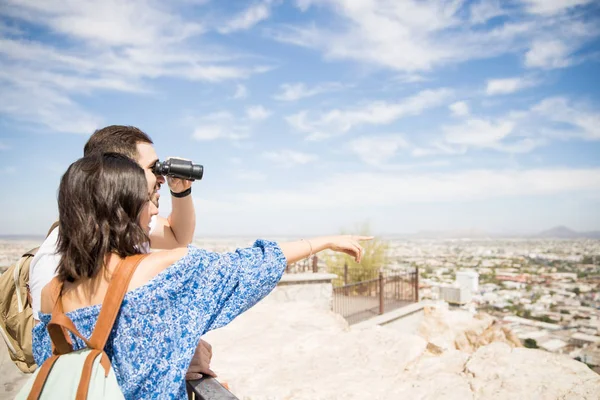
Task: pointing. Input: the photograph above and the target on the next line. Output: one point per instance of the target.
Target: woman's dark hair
(100, 201)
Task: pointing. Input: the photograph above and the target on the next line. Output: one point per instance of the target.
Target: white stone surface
(11, 378)
(319, 294)
(298, 351)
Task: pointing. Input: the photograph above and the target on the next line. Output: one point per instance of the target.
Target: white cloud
(377, 150)
(438, 148)
(459, 109)
(112, 23)
(478, 132)
(413, 35)
(220, 125)
(584, 120)
(549, 7)
(337, 122)
(112, 46)
(519, 131)
(484, 10)
(390, 189)
(38, 105)
(548, 54)
(247, 19)
(249, 175)
(296, 91)
(241, 92)
(289, 158)
(508, 85)
(258, 113)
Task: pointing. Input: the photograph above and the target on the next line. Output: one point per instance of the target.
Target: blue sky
(315, 115)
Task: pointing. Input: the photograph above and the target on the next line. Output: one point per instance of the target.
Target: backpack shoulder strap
(59, 323)
(52, 227)
(112, 300)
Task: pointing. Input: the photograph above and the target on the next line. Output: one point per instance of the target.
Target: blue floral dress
(158, 328)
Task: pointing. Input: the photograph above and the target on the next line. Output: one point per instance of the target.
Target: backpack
(84, 373)
(16, 316)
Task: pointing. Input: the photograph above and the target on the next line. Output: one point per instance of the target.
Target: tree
(530, 343)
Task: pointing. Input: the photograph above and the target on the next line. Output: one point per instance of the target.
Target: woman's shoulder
(154, 264)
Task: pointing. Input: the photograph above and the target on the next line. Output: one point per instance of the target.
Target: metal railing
(306, 265)
(390, 290)
(208, 388)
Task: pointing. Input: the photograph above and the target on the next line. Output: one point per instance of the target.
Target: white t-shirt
(44, 264)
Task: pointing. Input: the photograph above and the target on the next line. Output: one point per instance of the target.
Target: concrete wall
(315, 288)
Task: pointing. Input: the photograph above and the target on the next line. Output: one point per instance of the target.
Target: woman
(173, 298)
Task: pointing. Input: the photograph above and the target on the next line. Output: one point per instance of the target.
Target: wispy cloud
(581, 120)
(414, 36)
(241, 91)
(257, 113)
(508, 85)
(548, 54)
(550, 7)
(220, 126)
(391, 189)
(247, 18)
(459, 109)
(47, 108)
(484, 10)
(4, 146)
(478, 132)
(337, 122)
(112, 46)
(249, 175)
(289, 158)
(296, 91)
(377, 149)
(519, 131)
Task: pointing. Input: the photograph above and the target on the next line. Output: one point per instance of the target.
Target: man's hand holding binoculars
(180, 174)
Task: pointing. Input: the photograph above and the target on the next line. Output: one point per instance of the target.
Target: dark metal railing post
(346, 277)
(381, 287)
(417, 284)
(345, 273)
(315, 264)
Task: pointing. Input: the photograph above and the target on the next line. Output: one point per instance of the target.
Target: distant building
(454, 294)
(581, 339)
(468, 279)
(553, 345)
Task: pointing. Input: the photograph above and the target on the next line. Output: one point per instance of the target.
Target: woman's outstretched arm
(296, 251)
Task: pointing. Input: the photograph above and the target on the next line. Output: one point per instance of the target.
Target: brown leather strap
(40, 379)
(112, 300)
(58, 343)
(57, 328)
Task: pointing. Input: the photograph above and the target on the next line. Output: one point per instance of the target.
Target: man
(165, 233)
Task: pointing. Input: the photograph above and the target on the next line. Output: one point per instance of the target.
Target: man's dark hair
(100, 200)
(116, 139)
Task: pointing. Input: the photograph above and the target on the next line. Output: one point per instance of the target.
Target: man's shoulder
(46, 252)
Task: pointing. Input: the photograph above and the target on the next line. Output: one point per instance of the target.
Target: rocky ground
(296, 351)
(11, 379)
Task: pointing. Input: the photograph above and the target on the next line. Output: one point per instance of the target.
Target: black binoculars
(176, 168)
